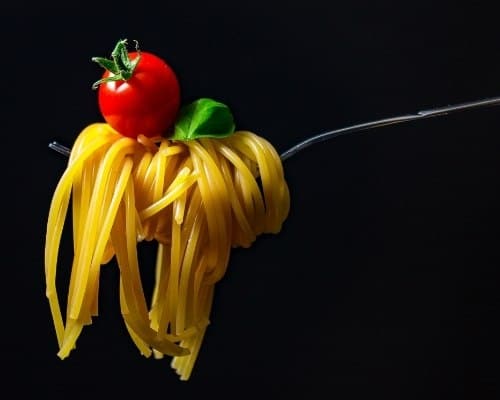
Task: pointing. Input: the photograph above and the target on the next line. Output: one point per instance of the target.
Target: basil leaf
(204, 118)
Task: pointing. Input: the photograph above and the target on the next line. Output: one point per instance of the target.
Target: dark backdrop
(382, 282)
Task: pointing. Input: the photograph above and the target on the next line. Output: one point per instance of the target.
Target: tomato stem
(120, 66)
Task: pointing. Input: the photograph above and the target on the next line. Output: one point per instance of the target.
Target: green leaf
(107, 64)
(204, 118)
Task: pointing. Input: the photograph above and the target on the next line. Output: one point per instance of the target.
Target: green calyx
(204, 118)
(120, 65)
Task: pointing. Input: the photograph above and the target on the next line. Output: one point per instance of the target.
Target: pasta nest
(197, 199)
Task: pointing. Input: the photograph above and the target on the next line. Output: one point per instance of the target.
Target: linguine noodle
(197, 199)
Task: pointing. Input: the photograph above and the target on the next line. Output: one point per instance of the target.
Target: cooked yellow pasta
(197, 199)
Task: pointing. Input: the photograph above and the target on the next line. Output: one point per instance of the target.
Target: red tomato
(147, 103)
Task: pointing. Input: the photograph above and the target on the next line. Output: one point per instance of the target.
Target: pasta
(196, 198)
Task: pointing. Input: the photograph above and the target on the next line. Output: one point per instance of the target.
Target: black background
(382, 282)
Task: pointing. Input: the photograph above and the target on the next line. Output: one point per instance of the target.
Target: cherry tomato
(146, 102)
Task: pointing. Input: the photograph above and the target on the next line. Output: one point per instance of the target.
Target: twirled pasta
(196, 198)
